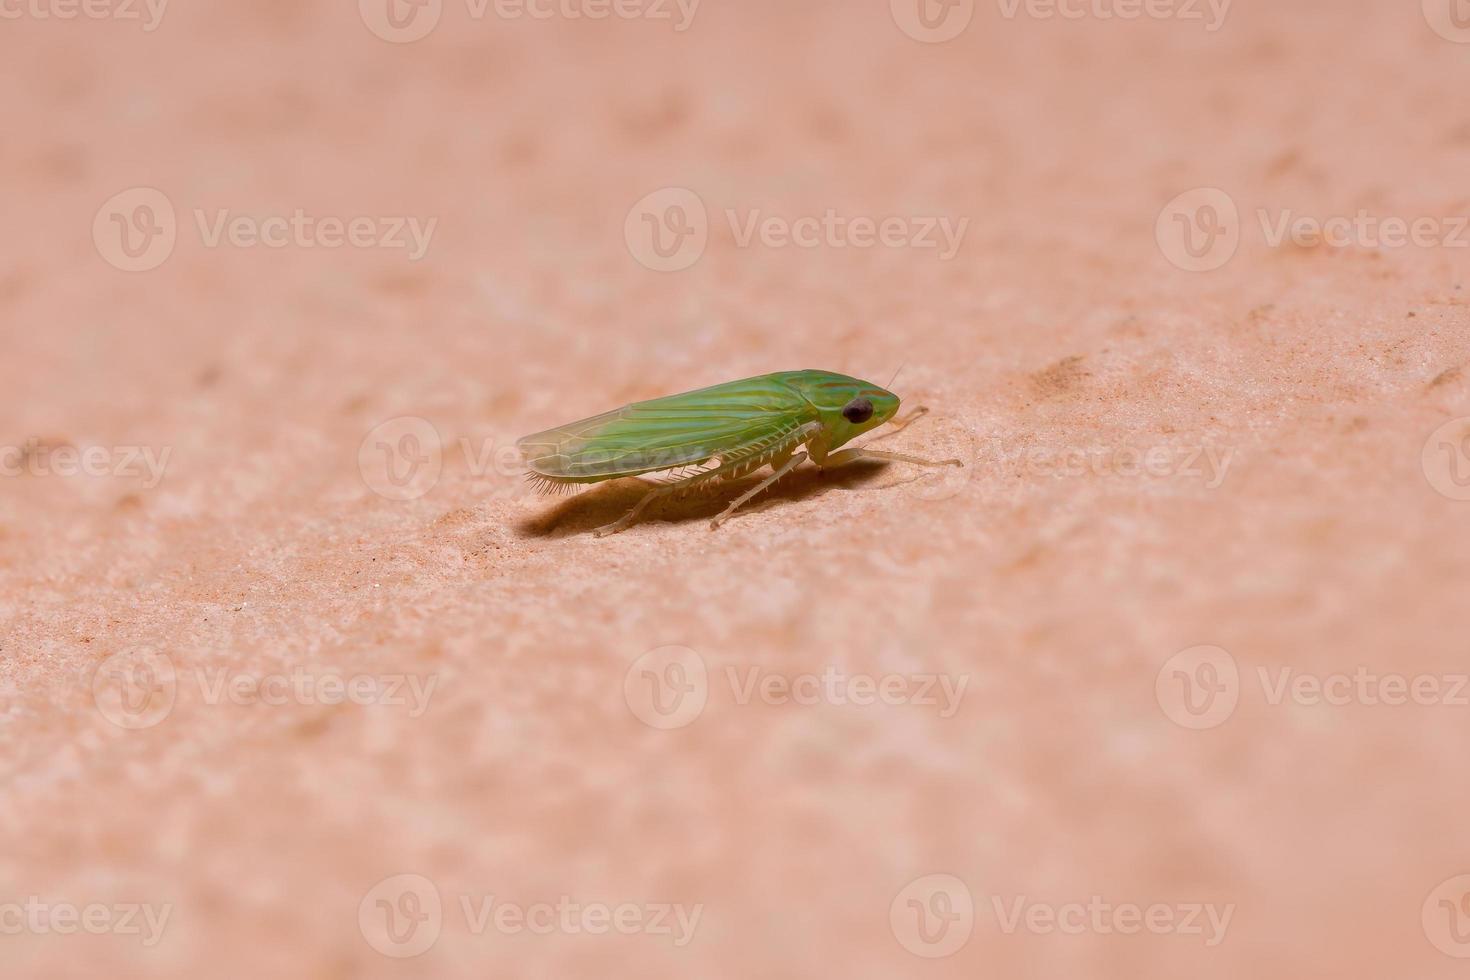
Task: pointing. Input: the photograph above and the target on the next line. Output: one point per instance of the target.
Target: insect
(699, 438)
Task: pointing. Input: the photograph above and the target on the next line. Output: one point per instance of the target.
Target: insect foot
(608, 529)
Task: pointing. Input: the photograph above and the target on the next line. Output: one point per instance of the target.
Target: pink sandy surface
(1054, 577)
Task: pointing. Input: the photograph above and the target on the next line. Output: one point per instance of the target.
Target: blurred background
(296, 678)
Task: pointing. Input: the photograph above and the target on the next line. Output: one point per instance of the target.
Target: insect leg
(672, 487)
(776, 474)
(845, 456)
(632, 515)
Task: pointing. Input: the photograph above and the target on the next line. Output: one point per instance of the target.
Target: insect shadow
(606, 502)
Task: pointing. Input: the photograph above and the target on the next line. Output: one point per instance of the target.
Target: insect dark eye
(858, 411)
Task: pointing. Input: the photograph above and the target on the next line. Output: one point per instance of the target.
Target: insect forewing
(679, 430)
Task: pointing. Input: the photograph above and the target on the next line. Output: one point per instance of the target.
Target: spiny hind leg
(674, 487)
(632, 515)
(779, 469)
(845, 456)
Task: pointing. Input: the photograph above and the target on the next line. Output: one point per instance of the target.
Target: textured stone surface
(1059, 346)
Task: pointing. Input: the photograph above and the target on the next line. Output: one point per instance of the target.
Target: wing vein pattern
(729, 421)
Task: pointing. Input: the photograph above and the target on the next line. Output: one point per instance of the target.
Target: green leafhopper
(700, 438)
